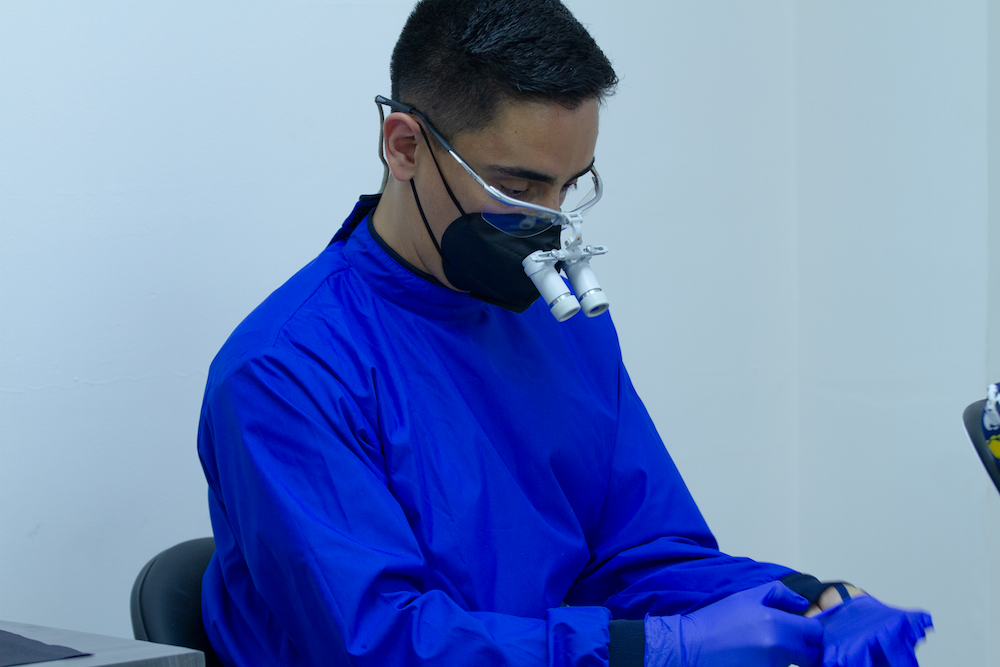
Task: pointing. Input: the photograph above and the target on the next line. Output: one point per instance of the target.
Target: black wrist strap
(805, 585)
(812, 588)
(842, 589)
(628, 644)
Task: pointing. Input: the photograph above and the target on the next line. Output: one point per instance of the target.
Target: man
(411, 461)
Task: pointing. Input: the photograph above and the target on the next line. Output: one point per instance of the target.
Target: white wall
(797, 213)
(993, 283)
(697, 153)
(892, 270)
(163, 167)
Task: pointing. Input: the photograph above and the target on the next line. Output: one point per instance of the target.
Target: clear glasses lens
(517, 221)
(525, 222)
(580, 194)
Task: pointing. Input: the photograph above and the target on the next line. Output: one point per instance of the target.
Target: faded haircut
(459, 61)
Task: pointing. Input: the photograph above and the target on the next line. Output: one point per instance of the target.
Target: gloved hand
(759, 627)
(863, 632)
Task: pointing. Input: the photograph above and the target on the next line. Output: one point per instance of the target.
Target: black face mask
(478, 257)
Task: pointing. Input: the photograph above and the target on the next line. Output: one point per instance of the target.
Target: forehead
(544, 137)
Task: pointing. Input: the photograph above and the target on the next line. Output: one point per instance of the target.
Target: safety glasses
(509, 215)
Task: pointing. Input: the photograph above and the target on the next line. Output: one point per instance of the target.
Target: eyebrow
(531, 175)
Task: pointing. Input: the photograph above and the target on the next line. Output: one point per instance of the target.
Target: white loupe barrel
(561, 301)
(588, 290)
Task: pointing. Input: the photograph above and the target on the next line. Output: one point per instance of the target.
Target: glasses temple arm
(381, 147)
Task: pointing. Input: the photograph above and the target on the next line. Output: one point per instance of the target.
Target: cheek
(437, 205)
(470, 194)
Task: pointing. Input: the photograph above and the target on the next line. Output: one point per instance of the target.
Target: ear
(401, 138)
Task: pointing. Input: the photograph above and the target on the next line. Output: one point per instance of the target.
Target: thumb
(778, 596)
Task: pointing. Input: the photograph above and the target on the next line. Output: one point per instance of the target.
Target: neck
(398, 222)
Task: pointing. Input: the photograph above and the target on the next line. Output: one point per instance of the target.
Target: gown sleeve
(315, 562)
(651, 550)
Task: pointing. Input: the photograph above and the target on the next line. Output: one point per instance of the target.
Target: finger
(892, 652)
(809, 629)
(834, 656)
(807, 656)
(904, 659)
(841, 657)
(779, 596)
(801, 639)
(920, 622)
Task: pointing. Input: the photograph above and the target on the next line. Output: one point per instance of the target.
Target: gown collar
(392, 276)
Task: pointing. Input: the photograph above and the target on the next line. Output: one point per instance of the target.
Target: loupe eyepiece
(540, 266)
(588, 290)
(543, 274)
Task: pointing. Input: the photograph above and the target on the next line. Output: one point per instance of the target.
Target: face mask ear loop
(440, 173)
(423, 217)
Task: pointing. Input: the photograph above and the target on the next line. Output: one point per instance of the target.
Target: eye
(568, 188)
(510, 192)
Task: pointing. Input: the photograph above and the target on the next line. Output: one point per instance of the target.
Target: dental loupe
(575, 257)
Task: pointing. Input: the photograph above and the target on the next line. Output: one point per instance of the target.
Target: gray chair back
(166, 598)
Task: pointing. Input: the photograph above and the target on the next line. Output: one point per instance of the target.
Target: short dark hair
(457, 61)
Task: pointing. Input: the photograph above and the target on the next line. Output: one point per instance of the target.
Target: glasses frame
(563, 218)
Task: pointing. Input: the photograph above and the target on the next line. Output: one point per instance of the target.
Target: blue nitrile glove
(759, 627)
(863, 632)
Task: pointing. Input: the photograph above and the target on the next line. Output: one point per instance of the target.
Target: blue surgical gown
(400, 474)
